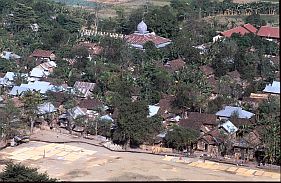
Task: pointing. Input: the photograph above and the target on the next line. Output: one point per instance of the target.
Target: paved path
(245, 171)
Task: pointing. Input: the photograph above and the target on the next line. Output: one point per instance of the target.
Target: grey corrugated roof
(228, 111)
(18, 90)
(229, 127)
(76, 112)
(45, 108)
(273, 88)
(153, 110)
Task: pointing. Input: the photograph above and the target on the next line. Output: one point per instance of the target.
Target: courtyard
(83, 162)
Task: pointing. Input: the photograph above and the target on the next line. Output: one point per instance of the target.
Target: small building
(10, 75)
(46, 108)
(18, 90)
(38, 72)
(244, 147)
(153, 110)
(241, 30)
(142, 36)
(212, 142)
(269, 33)
(9, 55)
(273, 88)
(76, 112)
(235, 76)
(174, 65)
(200, 122)
(40, 86)
(43, 55)
(229, 111)
(93, 48)
(207, 70)
(84, 89)
(34, 27)
(107, 118)
(229, 127)
(91, 105)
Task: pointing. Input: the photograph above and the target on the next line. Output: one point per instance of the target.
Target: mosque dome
(142, 27)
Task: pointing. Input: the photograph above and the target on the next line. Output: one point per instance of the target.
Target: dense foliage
(20, 173)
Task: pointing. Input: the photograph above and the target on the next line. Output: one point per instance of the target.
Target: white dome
(142, 27)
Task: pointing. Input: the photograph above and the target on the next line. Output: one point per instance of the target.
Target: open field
(80, 162)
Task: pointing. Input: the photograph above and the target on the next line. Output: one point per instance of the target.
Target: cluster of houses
(217, 131)
(266, 32)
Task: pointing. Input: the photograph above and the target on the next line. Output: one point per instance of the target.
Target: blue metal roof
(229, 110)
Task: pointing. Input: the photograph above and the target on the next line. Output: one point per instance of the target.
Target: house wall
(200, 145)
(245, 154)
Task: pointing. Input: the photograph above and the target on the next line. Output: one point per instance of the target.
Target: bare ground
(106, 165)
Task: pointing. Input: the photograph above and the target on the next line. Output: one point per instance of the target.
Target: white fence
(87, 32)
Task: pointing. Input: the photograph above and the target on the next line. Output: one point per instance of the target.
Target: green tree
(269, 121)
(31, 100)
(9, 120)
(255, 20)
(180, 138)
(20, 173)
(133, 126)
(23, 16)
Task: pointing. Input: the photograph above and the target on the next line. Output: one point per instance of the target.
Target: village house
(153, 110)
(242, 30)
(142, 36)
(174, 65)
(165, 104)
(83, 89)
(43, 55)
(245, 147)
(208, 71)
(200, 122)
(93, 48)
(269, 33)
(42, 70)
(255, 99)
(92, 106)
(212, 142)
(230, 111)
(9, 55)
(273, 89)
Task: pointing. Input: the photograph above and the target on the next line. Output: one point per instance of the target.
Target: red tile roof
(141, 39)
(269, 32)
(41, 53)
(240, 30)
(250, 28)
